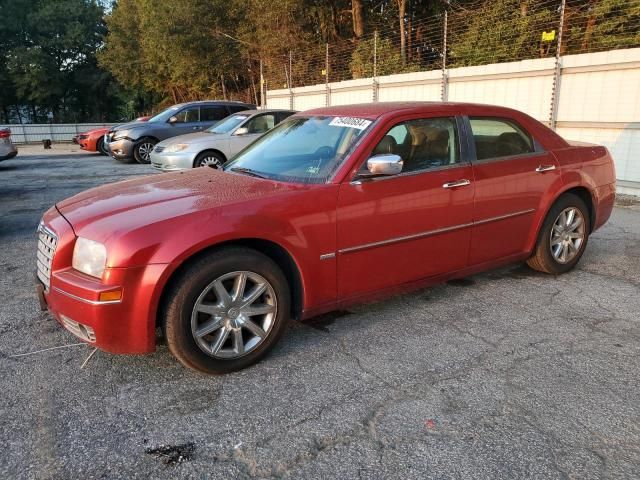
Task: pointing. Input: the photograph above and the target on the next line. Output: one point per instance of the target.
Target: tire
(559, 246)
(101, 147)
(209, 159)
(143, 148)
(200, 285)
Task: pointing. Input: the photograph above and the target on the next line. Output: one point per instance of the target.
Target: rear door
(211, 114)
(512, 175)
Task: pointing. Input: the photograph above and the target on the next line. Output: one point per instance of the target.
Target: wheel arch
(280, 255)
(213, 150)
(581, 192)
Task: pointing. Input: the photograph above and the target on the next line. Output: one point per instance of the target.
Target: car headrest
(387, 145)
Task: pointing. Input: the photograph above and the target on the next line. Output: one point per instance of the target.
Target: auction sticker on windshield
(351, 122)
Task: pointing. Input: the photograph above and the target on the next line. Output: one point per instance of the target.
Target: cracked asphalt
(509, 374)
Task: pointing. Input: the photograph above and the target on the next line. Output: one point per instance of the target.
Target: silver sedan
(216, 145)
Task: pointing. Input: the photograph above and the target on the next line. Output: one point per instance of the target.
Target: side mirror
(241, 131)
(173, 119)
(386, 164)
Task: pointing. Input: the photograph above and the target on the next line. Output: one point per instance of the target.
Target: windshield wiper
(247, 171)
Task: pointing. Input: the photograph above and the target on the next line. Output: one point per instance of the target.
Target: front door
(512, 173)
(416, 224)
(251, 130)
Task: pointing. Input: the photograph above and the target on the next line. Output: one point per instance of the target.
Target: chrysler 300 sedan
(214, 146)
(333, 206)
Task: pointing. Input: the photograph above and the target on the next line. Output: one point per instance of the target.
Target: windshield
(164, 115)
(301, 149)
(227, 124)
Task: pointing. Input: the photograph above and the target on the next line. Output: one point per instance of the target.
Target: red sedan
(93, 140)
(333, 206)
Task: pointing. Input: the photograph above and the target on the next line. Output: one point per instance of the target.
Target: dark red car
(333, 206)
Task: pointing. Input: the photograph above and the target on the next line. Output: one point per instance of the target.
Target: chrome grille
(47, 243)
(159, 148)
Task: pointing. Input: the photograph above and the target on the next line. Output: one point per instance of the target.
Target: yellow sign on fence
(549, 36)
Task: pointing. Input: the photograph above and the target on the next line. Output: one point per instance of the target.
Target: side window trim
(466, 154)
(538, 149)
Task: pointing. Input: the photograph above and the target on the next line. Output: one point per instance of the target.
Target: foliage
(49, 65)
(78, 60)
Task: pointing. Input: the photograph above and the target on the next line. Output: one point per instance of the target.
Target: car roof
(266, 110)
(375, 110)
(218, 102)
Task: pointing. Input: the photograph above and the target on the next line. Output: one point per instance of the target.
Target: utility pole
(444, 94)
(555, 91)
(375, 66)
(290, 80)
(326, 75)
(261, 86)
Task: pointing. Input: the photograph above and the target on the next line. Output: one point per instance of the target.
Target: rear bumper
(605, 200)
(4, 155)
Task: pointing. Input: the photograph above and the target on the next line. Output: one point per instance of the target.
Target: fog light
(84, 332)
(112, 296)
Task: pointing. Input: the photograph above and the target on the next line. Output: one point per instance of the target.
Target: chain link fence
(462, 34)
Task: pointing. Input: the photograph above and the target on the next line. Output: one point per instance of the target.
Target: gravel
(507, 374)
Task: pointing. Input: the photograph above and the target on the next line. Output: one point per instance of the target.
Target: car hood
(194, 138)
(129, 126)
(114, 209)
(96, 131)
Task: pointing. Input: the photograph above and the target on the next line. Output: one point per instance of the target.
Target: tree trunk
(402, 9)
(357, 14)
(591, 24)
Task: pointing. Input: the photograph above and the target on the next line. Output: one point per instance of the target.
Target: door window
(188, 115)
(422, 144)
(261, 123)
(212, 113)
(495, 138)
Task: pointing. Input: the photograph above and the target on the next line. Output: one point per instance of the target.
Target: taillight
(5, 133)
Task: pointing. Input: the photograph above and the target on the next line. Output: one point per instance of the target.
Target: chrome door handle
(545, 168)
(458, 183)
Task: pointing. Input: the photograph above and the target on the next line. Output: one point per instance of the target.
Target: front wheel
(142, 150)
(209, 159)
(101, 147)
(563, 237)
(226, 311)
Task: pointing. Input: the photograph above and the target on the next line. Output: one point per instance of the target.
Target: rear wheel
(143, 148)
(226, 311)
(102, 147)
(209, 159)
(563, 237)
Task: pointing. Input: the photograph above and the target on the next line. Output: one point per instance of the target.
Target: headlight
(89, 257)
(120, 135)
(176, 147)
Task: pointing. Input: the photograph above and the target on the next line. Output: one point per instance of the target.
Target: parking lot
(507, 374)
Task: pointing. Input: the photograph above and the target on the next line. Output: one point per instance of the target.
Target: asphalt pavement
(510, 374)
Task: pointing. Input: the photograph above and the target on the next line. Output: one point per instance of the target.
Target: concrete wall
(599, 97)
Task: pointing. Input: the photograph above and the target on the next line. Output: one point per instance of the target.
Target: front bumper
(121, 149)
(126, 325)
(170, 162)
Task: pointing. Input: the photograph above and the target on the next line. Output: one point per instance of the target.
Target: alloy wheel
(234, 314)
(210, 161)
(144, 150)
(567, 235)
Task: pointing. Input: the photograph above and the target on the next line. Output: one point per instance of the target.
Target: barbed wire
(478, 33)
